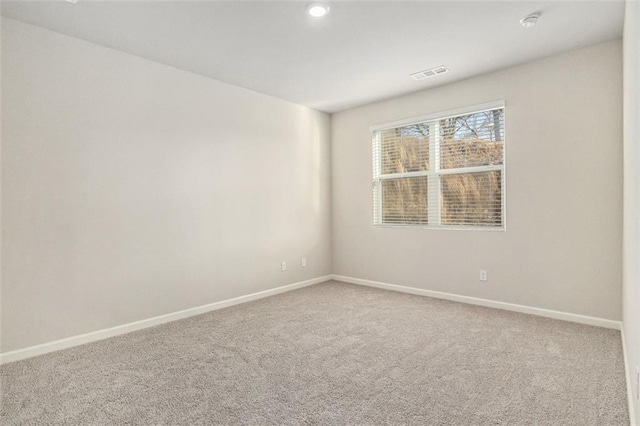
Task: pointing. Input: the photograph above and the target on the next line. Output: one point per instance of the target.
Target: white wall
(131, 189)
(1, 232)
(562, 246)
(631, 268)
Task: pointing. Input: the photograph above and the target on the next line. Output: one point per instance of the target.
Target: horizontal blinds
(472, 199)
(472, 140)
(405, 200)
(443, 172)
(404, 149)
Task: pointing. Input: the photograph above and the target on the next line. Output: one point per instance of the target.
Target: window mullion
(434, 176)
(404, 175)
(477, 169)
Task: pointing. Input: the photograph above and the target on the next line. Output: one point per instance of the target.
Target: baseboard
(627, 375)
(565, 316)
(150, 322)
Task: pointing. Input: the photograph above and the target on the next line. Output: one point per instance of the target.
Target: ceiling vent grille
(431, 72)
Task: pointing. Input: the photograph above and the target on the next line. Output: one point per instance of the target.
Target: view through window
(444, 171)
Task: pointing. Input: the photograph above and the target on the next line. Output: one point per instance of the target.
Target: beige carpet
(332, 354)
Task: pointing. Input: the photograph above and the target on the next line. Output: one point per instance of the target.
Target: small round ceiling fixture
(530, 21)
(318, 10)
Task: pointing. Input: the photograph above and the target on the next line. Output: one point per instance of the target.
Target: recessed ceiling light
(71, 1)
(529, 21)
(317, 10)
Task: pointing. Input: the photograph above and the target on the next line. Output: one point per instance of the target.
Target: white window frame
(434, 172)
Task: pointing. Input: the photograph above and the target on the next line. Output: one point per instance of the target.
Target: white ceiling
(359, 53)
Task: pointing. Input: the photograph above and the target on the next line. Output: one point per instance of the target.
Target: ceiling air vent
(431, 72)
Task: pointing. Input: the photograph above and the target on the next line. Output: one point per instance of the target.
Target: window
(441, 171)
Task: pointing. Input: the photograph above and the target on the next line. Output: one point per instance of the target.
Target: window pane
(405, 149)
(405, 200)
(472, 140)
(472, 199)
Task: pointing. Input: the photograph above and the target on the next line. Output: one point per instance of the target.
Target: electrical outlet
(483, 275)
(303, 262)
(283, 265)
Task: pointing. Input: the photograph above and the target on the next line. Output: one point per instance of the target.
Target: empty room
(320, 213)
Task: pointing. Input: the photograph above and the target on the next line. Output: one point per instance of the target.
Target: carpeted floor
(332, 353)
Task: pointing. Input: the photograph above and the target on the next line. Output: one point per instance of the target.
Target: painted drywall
(562, 246)
(131, 189)
(1, 21)
(631, 268)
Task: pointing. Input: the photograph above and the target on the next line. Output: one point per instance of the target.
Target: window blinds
(443, 171)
